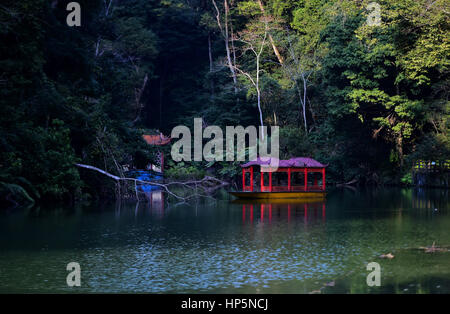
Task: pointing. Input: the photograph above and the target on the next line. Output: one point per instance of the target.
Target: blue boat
(145, 175)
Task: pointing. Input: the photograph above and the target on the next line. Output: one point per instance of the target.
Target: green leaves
(55, 167)
(371, 92)
(134, 39)
(375, 77)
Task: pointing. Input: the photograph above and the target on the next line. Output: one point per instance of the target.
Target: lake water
(228, 247)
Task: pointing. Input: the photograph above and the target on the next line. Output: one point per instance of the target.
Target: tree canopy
(367, 99)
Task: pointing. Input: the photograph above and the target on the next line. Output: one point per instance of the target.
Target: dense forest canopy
(367, 99)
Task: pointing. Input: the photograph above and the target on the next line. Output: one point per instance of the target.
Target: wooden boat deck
(280, 195)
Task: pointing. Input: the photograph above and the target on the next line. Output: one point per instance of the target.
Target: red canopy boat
(300, 178)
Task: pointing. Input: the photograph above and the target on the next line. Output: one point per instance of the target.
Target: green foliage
(407, 179)
(294, 142)
(183, 171)
(376, 96)
(53, 164)
(45, 165)
(370, 87)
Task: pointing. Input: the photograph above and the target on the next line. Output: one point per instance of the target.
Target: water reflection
(426, 199)
(153, 202)
(282, 210)
(232, 246)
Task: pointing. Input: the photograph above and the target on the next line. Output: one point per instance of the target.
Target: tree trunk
(258, 91)
(160, 100)
(272, 42)
(211, 82)
(400, 149)
(138, 96)
(304, 103)
(210, 53)
(227, 46)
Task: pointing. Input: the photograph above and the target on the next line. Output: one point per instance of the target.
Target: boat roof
(156, 139)
(296, 162)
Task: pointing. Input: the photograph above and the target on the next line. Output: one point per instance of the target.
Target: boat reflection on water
(283, 209)
(430, 199)
(155, 199)
(155, 202)
(151, 202)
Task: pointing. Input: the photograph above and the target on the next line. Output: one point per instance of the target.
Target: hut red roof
(156, 139)
(296, 162)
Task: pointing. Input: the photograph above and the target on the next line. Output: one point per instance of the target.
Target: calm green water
(222, 247)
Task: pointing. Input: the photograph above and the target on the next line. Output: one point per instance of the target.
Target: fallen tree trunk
(207, 184)
(347, 183)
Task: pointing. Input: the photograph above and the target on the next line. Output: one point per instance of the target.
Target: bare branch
(207, 184)
(274, 47)
(224, 32)
(217, 15)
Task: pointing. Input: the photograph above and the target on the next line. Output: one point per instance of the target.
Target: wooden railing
(431, 166)
(293, 188)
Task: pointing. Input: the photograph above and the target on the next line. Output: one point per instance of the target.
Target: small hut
(304, 177)
(157, 140)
